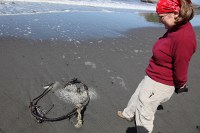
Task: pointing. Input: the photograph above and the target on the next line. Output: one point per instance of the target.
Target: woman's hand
(184, 88)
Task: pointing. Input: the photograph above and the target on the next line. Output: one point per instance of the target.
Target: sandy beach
(110, 66)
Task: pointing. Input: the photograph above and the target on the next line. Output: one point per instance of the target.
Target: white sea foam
(120, 81)
(70, 95)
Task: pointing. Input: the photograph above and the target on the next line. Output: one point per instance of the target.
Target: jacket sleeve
(182, 53)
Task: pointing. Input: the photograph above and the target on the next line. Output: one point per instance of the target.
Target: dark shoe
(119, 113)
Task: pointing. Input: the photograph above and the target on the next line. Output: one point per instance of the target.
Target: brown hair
(186, 12)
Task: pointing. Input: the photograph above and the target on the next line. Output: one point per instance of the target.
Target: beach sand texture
(111, 67)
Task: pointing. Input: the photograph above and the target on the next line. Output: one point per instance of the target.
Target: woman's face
(168, 19)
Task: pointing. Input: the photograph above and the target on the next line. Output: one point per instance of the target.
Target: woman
(168, 67)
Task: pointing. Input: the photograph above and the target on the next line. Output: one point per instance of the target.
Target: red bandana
(167, 6)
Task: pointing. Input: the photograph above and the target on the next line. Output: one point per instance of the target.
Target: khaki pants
(144, 102)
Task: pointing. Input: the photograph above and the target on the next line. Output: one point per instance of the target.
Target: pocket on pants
(146, 106)
(149, 99)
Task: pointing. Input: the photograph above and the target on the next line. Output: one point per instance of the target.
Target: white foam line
(117, 5)
(48, 12)
(30, 13)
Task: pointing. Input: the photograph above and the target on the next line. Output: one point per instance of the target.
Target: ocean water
(40, 6)
(14, 7)
(72, 20)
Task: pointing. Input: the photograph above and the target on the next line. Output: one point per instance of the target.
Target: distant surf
(14, 7)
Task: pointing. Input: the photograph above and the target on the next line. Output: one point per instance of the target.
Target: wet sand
(113, 67)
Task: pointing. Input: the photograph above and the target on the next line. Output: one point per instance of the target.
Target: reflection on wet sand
(150, 17)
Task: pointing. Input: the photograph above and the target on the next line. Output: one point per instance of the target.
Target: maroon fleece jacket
(171, 56)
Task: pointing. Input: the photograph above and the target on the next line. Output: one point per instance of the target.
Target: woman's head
(175, 12)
